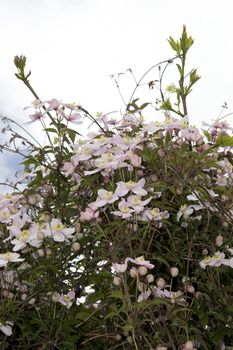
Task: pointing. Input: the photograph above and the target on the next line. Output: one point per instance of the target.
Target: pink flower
(136, 203)
(74, 118)
(141, 262)
(6, 328)
(136, 187)
(124, 210)
(5, 258)
(120, 268)
(67, 299)
(54, 104)
(34, 117)
(104, 197)
(191, 134)
(25, 237)
(88, 215)
(68, 168)
(216, 260)
(58, 231)
(144, 295)
(154, 215)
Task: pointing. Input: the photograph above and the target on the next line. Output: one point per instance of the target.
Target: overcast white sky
(72, 46)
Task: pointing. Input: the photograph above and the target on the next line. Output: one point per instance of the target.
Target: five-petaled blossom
(5, 258)
(58, 231)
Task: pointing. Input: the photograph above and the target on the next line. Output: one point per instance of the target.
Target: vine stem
(147, 72)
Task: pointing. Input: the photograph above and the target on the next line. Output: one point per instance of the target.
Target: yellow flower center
(125, 209)
(207, 259)
(108, 156)
(136, 201)
(140, 259)
(108, 194)
(130, 184)
(101, 165)
(127, 139)
(183, 208)
(217, 257)
(5, 214)
(86, 150)
(154, 212)
(24, 235)
(7, 255)
(57, 227)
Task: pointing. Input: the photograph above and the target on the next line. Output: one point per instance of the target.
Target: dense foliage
(122, 239)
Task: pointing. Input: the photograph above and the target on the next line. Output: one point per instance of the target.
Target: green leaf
(225, 140)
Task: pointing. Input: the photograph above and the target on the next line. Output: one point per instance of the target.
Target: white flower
(5, 258)
(25, 237)
(67, 299)
(120, 268)
(58, 231)
(6, 327)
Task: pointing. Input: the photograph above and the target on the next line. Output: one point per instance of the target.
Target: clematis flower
(104, 197)
(25, 237)
(68, 168)
(34, 117)
(67, 299)
(216, 260)
(141, 262)
(124, 210)
(186, 210)
(58, 231)
(74, 118)
(6, 327)
(54, 104)
(120, 268)
(154, 215)
(88, 215)
(136, 187)
(7, 257)
(191, 134)
(136, 203)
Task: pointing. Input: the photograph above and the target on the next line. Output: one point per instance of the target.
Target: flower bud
(161, 282)
(205, 252)
(188, 345)
(140, 173)
(190, 288)
(136, 160)
(219, 241)
(118, 337)
(77, 227)
(48, 252)
(80, 235)
(129, 339)
(76, 246)
(161, 153)
(150, 278)
(133, 272)
(178, 294)
(154, 178)
(40, 252)
(142, 270)
(55, 296)
(116, 281)
(174, 271)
